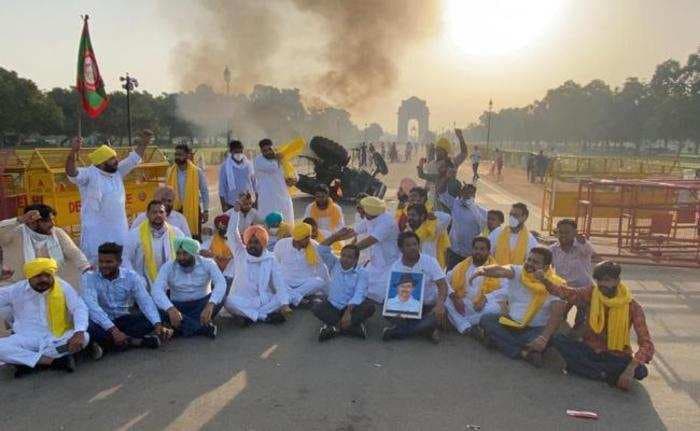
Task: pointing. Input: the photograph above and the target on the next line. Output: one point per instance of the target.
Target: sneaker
(326, 333)
(389, 333)
(211, 331)
(95, 351)
(65, 363)
(22, 370)
(151, 341)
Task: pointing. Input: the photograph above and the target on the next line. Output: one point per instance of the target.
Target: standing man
(192, 303)
(381, 233)
(327, 214)
(511, 244)
(272, 186)
(32, 235)
(191, 191)
(102, 196)
(151, 244)
(530, 315)
(434, 293)
(166, 194)
(468, 221)
(110, 294)
(476, 159)
(236, 176)
(51, 320)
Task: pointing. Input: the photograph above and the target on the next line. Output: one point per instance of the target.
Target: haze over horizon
(454, 54)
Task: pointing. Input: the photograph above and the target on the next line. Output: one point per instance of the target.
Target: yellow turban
(284, 230)
(102, 154)
(301, 231)
(373, 206)
(444, 144)
(40, 265)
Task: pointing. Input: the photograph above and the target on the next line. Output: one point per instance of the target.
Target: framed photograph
(404, 296)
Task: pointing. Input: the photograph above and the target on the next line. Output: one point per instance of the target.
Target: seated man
(530, 315)
(346, 308)
(50, 320)
(511, 244)
(216, 247)
(276, 229)
(469, 301)
(110, 294)
(434, 239)
(494, 220)
(166, 195)
(247, 216)
(327, 214)
(260, 292)
(434, 295)
(192, 304)
(605, 353)
(301, 267)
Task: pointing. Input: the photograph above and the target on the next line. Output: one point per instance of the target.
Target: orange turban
(256, 231)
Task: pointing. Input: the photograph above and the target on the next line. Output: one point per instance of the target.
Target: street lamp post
(227, 80)
(488, 127)
(129, 84)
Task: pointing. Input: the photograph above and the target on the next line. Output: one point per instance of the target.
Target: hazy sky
(485, 49)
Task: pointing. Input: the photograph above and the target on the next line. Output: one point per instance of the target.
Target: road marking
(266, 354)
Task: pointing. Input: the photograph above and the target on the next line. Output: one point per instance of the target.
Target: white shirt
(29, 308)
(273, 194)
(246, 220)
(430, 247)
(519, 298)
(324, 223)
(513, 240)
(430, 268)
(295, 269)
(102, 209)
(175, 218)
(134, 257)
(383, 254)
(396, 304)
(471, 290)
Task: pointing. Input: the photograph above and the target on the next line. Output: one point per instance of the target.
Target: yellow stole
(219, 247)
(504, 255)
(332, 212)
(618, 316)
(58, 317)
(189, 204)
(149, 259)
(288, 151)
(539, 295)
(459, 279)
(427, 232)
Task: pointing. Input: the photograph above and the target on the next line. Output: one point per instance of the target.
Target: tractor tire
(329, 151)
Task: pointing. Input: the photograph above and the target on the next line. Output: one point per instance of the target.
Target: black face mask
(254, 252)
(110, 169)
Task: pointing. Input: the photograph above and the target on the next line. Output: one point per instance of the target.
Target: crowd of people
(134, 286)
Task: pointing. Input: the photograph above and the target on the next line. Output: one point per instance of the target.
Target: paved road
(275, 378)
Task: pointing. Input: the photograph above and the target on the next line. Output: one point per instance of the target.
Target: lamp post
(129, 84)
(488, 126)
(227, 80)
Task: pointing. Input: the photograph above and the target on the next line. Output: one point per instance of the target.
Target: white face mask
(513, 222)
(467, 201)
(238, 157)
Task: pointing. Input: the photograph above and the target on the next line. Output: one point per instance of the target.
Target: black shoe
(150, 341)
(22, 370)
(211, 331)
(65, 363)
(95, 351)
(305, 304)
(359, 331)
(389, 333)
(326, 333)
(275, 318)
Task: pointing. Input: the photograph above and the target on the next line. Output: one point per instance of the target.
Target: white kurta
(133, 251)
(175, 219)
(324, 223)
(383, 254)
(102, 208)
(273, 194)
(246, 220)
(471, 316)
(258, 285)
(32, 338)
(513, 240)
(302, 278)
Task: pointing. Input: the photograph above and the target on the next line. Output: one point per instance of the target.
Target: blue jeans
(191, 312)
(510, 341)
(584, 361)
(135, 325)
(409, 327)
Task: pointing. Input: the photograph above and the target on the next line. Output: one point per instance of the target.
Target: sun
(497, 27)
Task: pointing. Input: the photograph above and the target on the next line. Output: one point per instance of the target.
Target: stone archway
(413, 109)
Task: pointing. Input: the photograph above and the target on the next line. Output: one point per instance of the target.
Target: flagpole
(79, 115)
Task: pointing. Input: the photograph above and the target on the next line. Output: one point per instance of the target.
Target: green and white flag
(89, 82)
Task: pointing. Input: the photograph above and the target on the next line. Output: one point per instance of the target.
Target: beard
(479, 260)
(110, 169)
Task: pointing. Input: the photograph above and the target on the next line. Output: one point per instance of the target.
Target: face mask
(238, 157)
(467, 201)
(513, 222)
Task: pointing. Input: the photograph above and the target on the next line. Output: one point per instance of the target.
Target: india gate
(413, 109)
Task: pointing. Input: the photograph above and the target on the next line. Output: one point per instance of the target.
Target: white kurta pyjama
(273, 194)
(303, 279)
(383, 254)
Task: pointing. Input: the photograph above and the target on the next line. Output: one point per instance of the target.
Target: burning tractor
(331, 164)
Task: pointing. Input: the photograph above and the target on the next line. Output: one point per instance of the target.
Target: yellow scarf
(58, 317)
(618, 316)
(504, 255)
(149, 259)
(539, 295)
(289, 151)
(427, 232)
(219, 247)
(332, 212)
(459, 278)
(189, 205)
